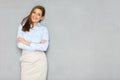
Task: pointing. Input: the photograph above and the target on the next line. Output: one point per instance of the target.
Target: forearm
(39, 46)
(33, 46)
(27, 43)
(23, 46)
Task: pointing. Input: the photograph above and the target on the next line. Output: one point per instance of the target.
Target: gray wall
(84, 38)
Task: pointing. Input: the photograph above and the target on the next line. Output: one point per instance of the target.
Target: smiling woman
(33, 39)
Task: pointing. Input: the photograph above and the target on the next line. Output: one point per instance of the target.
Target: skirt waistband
(36, 51)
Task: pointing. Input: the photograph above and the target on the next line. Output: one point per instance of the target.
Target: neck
(34, 24)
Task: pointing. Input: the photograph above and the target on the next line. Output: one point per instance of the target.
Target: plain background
(84, 38)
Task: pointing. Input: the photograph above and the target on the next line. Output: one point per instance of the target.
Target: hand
(43, 41)
(22, 40)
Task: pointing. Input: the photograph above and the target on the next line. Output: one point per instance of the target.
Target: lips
(34, 18)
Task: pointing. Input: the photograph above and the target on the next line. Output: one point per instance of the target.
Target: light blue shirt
(35, 35)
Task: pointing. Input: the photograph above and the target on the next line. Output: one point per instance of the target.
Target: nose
(35, 14)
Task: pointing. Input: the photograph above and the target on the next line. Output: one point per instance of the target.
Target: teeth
(34, 18)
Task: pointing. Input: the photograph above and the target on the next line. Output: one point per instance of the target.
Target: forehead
(38, 10)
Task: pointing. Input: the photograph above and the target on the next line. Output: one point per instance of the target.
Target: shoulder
(20, 26)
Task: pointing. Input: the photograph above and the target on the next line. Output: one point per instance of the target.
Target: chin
(35, 21)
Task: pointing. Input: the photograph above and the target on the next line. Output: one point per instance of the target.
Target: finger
(43, 41)
(17, 40)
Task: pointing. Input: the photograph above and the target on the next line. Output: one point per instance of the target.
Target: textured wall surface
(84, 38)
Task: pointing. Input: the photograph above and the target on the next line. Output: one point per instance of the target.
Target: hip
(32, 56)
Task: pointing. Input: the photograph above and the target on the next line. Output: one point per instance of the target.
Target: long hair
(26, 22)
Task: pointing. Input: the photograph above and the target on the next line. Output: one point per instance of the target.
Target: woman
(33, 39)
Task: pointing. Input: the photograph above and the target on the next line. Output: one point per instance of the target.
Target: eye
(39, 14)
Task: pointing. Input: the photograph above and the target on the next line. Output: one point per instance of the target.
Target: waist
(36, 51)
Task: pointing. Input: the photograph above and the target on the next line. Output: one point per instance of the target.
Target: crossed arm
(22, 43)
(22, 40)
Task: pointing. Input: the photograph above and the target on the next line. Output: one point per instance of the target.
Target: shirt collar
(35, 27)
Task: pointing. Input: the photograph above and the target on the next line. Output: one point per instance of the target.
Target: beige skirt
(33, 65)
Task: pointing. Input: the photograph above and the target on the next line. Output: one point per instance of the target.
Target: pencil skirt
(33, 65)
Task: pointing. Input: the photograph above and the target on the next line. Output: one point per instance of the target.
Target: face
(36, 16)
